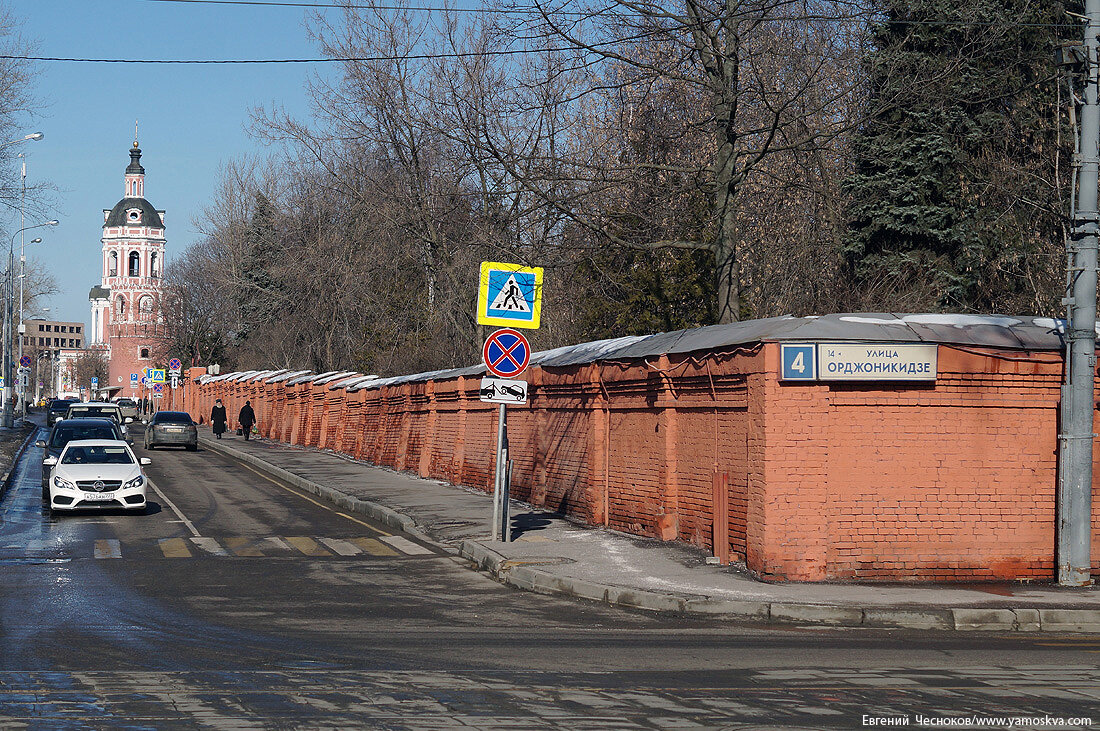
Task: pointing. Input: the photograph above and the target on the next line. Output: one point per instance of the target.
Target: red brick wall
(949, 481)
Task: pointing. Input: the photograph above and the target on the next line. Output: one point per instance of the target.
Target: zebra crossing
(235, 547)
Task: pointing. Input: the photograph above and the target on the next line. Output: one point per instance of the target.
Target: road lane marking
(108, 548)
(242, 546)
(374, 547)
(406, 546)
(342, 547)
(280, 544)
(174, 548)
(293, 491)
(307, 545)
(172, 505)
(209, 545)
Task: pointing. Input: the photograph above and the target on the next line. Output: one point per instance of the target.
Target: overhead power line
(595, 13)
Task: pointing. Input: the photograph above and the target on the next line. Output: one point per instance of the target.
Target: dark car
(57, 408)
(66, 431)
(171, 428)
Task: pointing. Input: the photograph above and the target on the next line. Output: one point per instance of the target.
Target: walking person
(218, 418)
(247, 418)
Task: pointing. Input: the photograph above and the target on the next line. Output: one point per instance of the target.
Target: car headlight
(136, 482)
(58, 482)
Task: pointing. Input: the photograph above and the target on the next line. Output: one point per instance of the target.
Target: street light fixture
(7, 420)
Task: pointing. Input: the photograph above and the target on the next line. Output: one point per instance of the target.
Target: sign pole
(495, 532)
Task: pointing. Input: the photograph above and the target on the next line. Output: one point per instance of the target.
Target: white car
(97, 473)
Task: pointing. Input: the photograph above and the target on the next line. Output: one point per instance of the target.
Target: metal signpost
(508, 295)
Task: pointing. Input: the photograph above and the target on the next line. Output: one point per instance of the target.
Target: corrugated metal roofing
(989, 331)
(332, 376)
(286, 376)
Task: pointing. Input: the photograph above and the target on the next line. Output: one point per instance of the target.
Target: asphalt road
(238, 602)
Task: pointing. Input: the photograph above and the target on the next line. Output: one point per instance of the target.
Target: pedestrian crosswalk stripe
(373, 547)
(279, 543)
(174, 548)
(405, 545)
(209, 545)
(108, 548)
(249, 546)
(306, 545)
(242, 546)
(342, 547)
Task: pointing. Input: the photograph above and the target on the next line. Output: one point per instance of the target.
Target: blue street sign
(509, 295)
(506, 353)
(95, 381)
(134, 378)
(799, 361)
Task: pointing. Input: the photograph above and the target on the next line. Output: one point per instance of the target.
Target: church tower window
(135, 264)
(153, 265)
(121, 306)
(112, 266)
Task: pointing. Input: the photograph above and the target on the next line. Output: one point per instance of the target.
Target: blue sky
(191, 118)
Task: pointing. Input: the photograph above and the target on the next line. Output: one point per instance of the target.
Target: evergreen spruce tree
(957, 186)
(258, 256)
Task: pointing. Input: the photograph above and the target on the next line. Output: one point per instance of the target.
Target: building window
(144, 352)
(112, 267)
(145, 305)
(153, 265)
(135, 264)
(78, 328)
(48, 328)
(121, 306)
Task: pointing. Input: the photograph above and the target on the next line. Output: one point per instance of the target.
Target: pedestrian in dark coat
(247, 418)
(218, 418)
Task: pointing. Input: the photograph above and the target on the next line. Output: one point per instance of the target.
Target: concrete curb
(527, 576)
(6, 479)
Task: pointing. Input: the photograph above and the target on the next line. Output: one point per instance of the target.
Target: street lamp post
(9, 310)
(7, 420)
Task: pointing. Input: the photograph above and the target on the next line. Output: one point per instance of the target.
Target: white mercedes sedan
(97, 473)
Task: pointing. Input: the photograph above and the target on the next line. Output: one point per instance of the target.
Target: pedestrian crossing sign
(509, 295)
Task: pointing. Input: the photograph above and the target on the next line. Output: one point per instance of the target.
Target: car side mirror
(128, 420)
(41, 444)
(50, 461)
(145, 461)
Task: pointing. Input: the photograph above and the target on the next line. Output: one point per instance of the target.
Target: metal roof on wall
(986, 331)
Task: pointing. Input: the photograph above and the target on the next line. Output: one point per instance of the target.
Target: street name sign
(858, 361)
(506, 353)
(799, 361)
(509, 295)
(503, 391)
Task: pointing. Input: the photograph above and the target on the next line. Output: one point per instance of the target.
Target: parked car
(69, 430)
(128, 407)
(97, 473)
(176, 428)
(103, 409)
(56, 409)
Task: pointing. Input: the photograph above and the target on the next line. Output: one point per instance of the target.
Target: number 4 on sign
(798, 361)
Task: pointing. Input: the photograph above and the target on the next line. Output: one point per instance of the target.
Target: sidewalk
(556, 556)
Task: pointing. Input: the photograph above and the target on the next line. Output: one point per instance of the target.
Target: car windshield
(66, 433)
(78, 411)
(97, 455)
(59, 405)
(172, 417)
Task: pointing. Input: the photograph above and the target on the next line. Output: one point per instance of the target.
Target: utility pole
(1074, 516)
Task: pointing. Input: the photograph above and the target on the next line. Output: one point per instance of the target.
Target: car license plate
(175, 429)
(99, 496)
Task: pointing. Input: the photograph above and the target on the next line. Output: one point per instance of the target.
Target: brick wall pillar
(668, 518)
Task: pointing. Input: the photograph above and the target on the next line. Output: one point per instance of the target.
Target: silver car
(171, 428)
